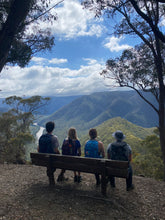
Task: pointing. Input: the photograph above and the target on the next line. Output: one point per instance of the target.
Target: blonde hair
(72, 134)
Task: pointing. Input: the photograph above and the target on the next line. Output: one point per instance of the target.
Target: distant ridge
(91, 110)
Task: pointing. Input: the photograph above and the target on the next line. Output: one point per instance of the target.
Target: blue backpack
(91, 149)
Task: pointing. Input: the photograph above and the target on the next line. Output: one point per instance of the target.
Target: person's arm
(129, 153)
(56, 150)
(108, 151)
(79, 148)
(79, 151)
(101, 149)
(56, 145)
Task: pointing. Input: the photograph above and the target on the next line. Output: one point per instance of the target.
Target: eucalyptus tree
(15, 126)
(141, 68)
(17, 43)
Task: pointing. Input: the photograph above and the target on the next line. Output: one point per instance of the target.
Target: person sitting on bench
(71, 146)
(120, 150)
(48, 143)
(94, 149)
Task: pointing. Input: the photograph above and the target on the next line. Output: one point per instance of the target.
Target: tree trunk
(159, 67)
(18, 12)
(162, 143)
(162, 130)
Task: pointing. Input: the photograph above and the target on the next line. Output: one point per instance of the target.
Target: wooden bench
(104, 167)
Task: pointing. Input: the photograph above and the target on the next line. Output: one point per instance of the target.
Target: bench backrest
(82, 164)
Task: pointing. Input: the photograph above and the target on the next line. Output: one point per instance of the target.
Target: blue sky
(82, 46)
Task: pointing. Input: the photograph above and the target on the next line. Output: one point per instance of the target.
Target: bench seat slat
(76, 167)
(40, 162)
(75, 159)
(117, 163)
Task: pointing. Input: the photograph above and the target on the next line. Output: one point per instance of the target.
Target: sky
(83, 43)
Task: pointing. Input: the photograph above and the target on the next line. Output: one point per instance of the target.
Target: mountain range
(92, 110)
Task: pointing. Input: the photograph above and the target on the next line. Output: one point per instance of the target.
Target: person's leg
(61, 176)
(50, 174)
(98, 182)
(75, 177)
(79, 179)
(112, 181)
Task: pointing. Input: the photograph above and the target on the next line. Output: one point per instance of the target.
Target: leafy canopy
(21, 33)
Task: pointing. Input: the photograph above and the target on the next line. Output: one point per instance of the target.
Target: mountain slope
(133, 133)
(91, 110)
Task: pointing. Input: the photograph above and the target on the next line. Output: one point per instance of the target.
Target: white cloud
(45, 80)
(57, 61)
(113, 44)
(44, 61)
(90, 61)
(38, 60)
(73, 21)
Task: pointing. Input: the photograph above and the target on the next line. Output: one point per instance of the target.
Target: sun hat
(118, 135)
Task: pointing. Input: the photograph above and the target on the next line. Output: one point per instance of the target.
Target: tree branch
(154, 28)
(139, 93)
(45, 12)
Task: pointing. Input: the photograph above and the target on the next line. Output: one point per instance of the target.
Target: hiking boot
(112, 185)
(79, 179)
(61, 178)
(51, 182)
(130, 187)
(98, 182)
(76, 178)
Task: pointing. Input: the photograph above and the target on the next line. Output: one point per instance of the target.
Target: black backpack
(119, 151)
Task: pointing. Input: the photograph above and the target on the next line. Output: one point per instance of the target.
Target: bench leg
(103, 185)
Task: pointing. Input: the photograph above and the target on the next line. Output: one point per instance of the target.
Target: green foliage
(14, 152)
(19, 54)
(148, 161)
(18, 44)
(15, 124)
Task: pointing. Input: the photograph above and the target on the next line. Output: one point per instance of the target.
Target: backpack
(45, 144)
(68, 147)
(91, 149)
(119, 151)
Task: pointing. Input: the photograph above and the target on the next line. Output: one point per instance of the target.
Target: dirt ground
(26, 195)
